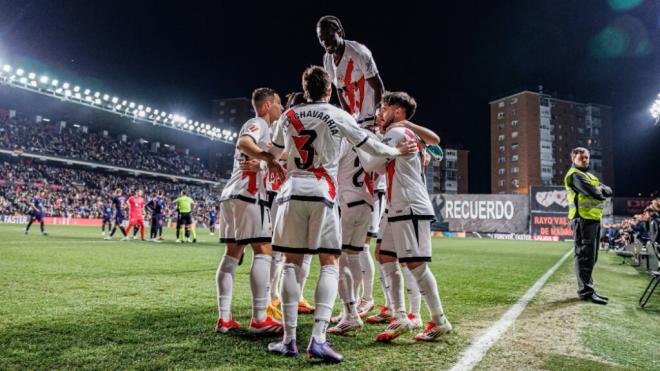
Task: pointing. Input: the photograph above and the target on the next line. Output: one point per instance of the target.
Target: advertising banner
(551, 225)
(14, 219)
(481, 213)
(72, 221)
(548, 199)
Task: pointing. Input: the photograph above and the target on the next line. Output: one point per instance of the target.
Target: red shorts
(137, 221)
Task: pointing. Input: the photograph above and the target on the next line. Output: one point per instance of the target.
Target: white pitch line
(473, 355)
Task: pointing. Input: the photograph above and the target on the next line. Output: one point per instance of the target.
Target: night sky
(453, 57)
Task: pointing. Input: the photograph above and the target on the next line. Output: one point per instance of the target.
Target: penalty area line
(478, 349)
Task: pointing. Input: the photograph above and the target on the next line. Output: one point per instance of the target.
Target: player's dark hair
(578, 150)
(331, 21)
(294, 99)
(183, 192)
(261, 94)
(401, 99)
(315, 82)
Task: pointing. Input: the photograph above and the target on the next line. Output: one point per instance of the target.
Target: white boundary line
(473, 355)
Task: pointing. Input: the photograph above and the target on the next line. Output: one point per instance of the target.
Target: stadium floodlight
(97, 95)
(106, 97)
(67, 93)
(77, 95)
(23, 80)
(114, 100)
(123, 103)
(76, 88)
(89, 98)
(148, 109)
(65, 85)
(44, 79)
(170, 117)
(97, 101)
(140, 107)
(33, 83)
(58, 90)
(6, 68)
(655, 109)
(32, 75)
(141, 114)
(118, 107)
(19, 72)
(55, 82)
(87, 92)
(131, 105)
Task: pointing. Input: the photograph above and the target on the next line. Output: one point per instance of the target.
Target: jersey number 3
(304, 143)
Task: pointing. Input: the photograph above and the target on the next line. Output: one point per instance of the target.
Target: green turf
(72, 300)
(570, 363)
(621, 332)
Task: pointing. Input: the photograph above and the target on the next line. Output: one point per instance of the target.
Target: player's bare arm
(427, 135)
(247, 145)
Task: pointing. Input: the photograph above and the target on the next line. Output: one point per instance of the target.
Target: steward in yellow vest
(586, 198)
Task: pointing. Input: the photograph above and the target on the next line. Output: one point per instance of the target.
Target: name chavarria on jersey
(312, 134)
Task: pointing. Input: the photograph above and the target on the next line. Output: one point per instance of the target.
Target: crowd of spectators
(50, 138)
(78, 193)
(634, 232)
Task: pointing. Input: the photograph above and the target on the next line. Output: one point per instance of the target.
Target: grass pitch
(72, 300)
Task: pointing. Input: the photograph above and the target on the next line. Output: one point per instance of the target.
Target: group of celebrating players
(320, 180)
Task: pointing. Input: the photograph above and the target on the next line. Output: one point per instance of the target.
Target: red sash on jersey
(319, 172)
(350, 88)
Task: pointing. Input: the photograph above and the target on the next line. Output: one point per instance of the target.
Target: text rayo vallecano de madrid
(479, 209)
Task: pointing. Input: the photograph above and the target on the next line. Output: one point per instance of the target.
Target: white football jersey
(354, 183)
(350, 77)
(311, 135)
(406, 177)
(247, 184)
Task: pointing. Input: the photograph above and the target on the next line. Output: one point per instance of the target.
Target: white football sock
(356, 272)
(275, 274)
(367, 264)
(304, 273)
(414, 296)
(345, 287)
(394, 280)
(383, 286)
(428, 287)
(224, 279)
(324, 298)
(260, 285)
(290, 298)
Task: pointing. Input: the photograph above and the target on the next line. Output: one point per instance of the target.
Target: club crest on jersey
(253, 128)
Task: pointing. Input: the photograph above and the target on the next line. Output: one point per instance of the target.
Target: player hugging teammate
(331, 163)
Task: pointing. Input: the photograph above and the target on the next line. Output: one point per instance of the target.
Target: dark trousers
(585, 235)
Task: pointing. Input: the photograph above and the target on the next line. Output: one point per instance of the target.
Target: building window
(501, 149)
(500, 104)
(501, 160)
(514, 158)
(515, 183)
(514, 112)
(515, 170)
(500, 183)
(514, 135)
(514, 100)
(500, 126)
(501, 171)
(500, 115)
(514, 123)
(500, 138)
(514, 146)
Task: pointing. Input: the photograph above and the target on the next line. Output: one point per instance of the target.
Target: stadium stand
(19, 133)
(78, 193)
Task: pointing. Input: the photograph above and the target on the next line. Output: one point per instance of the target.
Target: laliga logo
(548, 198)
